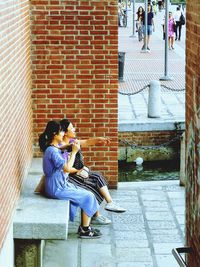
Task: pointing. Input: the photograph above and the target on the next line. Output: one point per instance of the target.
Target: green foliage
(177, 2)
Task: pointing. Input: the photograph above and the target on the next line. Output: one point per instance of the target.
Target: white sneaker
(112, 206)
(100, 220)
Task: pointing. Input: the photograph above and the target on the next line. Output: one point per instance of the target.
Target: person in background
(150, 26)
(139, 22)
(94, 182)
(163, 27)
(57, 186)
(120, 15)
(160, 5)
(154, 6)
(171, 31)
(177, 16)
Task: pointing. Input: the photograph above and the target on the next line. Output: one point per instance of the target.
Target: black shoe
(176, 39)
(89, 233)
(148, 48)
(92, 228)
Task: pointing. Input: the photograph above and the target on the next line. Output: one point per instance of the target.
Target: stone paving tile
(161, 224)
(177, 202)
(179, 210)
(132, 243)
(103, 258)
(123, 116)
(163, 232)
(166, 238)
(130, 235)
(158, 208)
(175, 195)
(180, 219)
(166, 261)
(159, 216)
(133, 254)
(156, 204)
(165, 248)
(182, 229)
(58, 253)
(153, 197)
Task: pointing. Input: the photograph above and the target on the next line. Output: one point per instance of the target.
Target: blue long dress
(57, 185)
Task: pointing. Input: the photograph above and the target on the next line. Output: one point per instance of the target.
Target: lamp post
(126, 12)
(166, 77)
(133, 35)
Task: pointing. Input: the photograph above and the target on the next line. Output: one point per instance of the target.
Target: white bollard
(154, 101)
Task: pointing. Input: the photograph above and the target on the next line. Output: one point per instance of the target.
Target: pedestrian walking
(160, 5)
(171, 31)
(139, 23)
(150, 27)
(163, 27)
(177, 16)
(154, 6)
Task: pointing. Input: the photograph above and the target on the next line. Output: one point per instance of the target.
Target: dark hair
(149, 4)
(178, 8)
(64, 123)
(139, 9)
(45, 139)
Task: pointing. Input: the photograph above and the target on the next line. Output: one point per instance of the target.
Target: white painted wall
(7, 251)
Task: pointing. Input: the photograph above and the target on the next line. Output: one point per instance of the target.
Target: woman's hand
(103, 141)
(68, 167)
(95, 141)
(76, 146)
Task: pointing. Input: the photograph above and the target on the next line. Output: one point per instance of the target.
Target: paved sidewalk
(140, 70)
(142, 237)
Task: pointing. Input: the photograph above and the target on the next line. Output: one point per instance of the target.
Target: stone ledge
(38, 217)
(147, 126)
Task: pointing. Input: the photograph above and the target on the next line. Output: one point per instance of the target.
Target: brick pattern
(154, 138)
(75, 72)
(193, 132)
(15, 105)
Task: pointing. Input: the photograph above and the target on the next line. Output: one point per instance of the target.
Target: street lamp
(133, 35)
(166, 77)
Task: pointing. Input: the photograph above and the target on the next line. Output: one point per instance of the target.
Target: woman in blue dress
(57, 186)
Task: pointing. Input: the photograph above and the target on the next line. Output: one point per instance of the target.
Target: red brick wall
(154, 138)
(75, 72)
(15, 105)
(193, 132)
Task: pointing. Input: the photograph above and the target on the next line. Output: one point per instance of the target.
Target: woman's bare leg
(85, 220)
(172, 42)
(148, 40)
(97, 214)
(169, 42)
(105, 193)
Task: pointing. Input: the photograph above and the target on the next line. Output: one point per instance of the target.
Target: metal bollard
(154, 101)
(121, 61)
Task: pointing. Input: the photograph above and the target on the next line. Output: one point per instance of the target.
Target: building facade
(193, 132)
